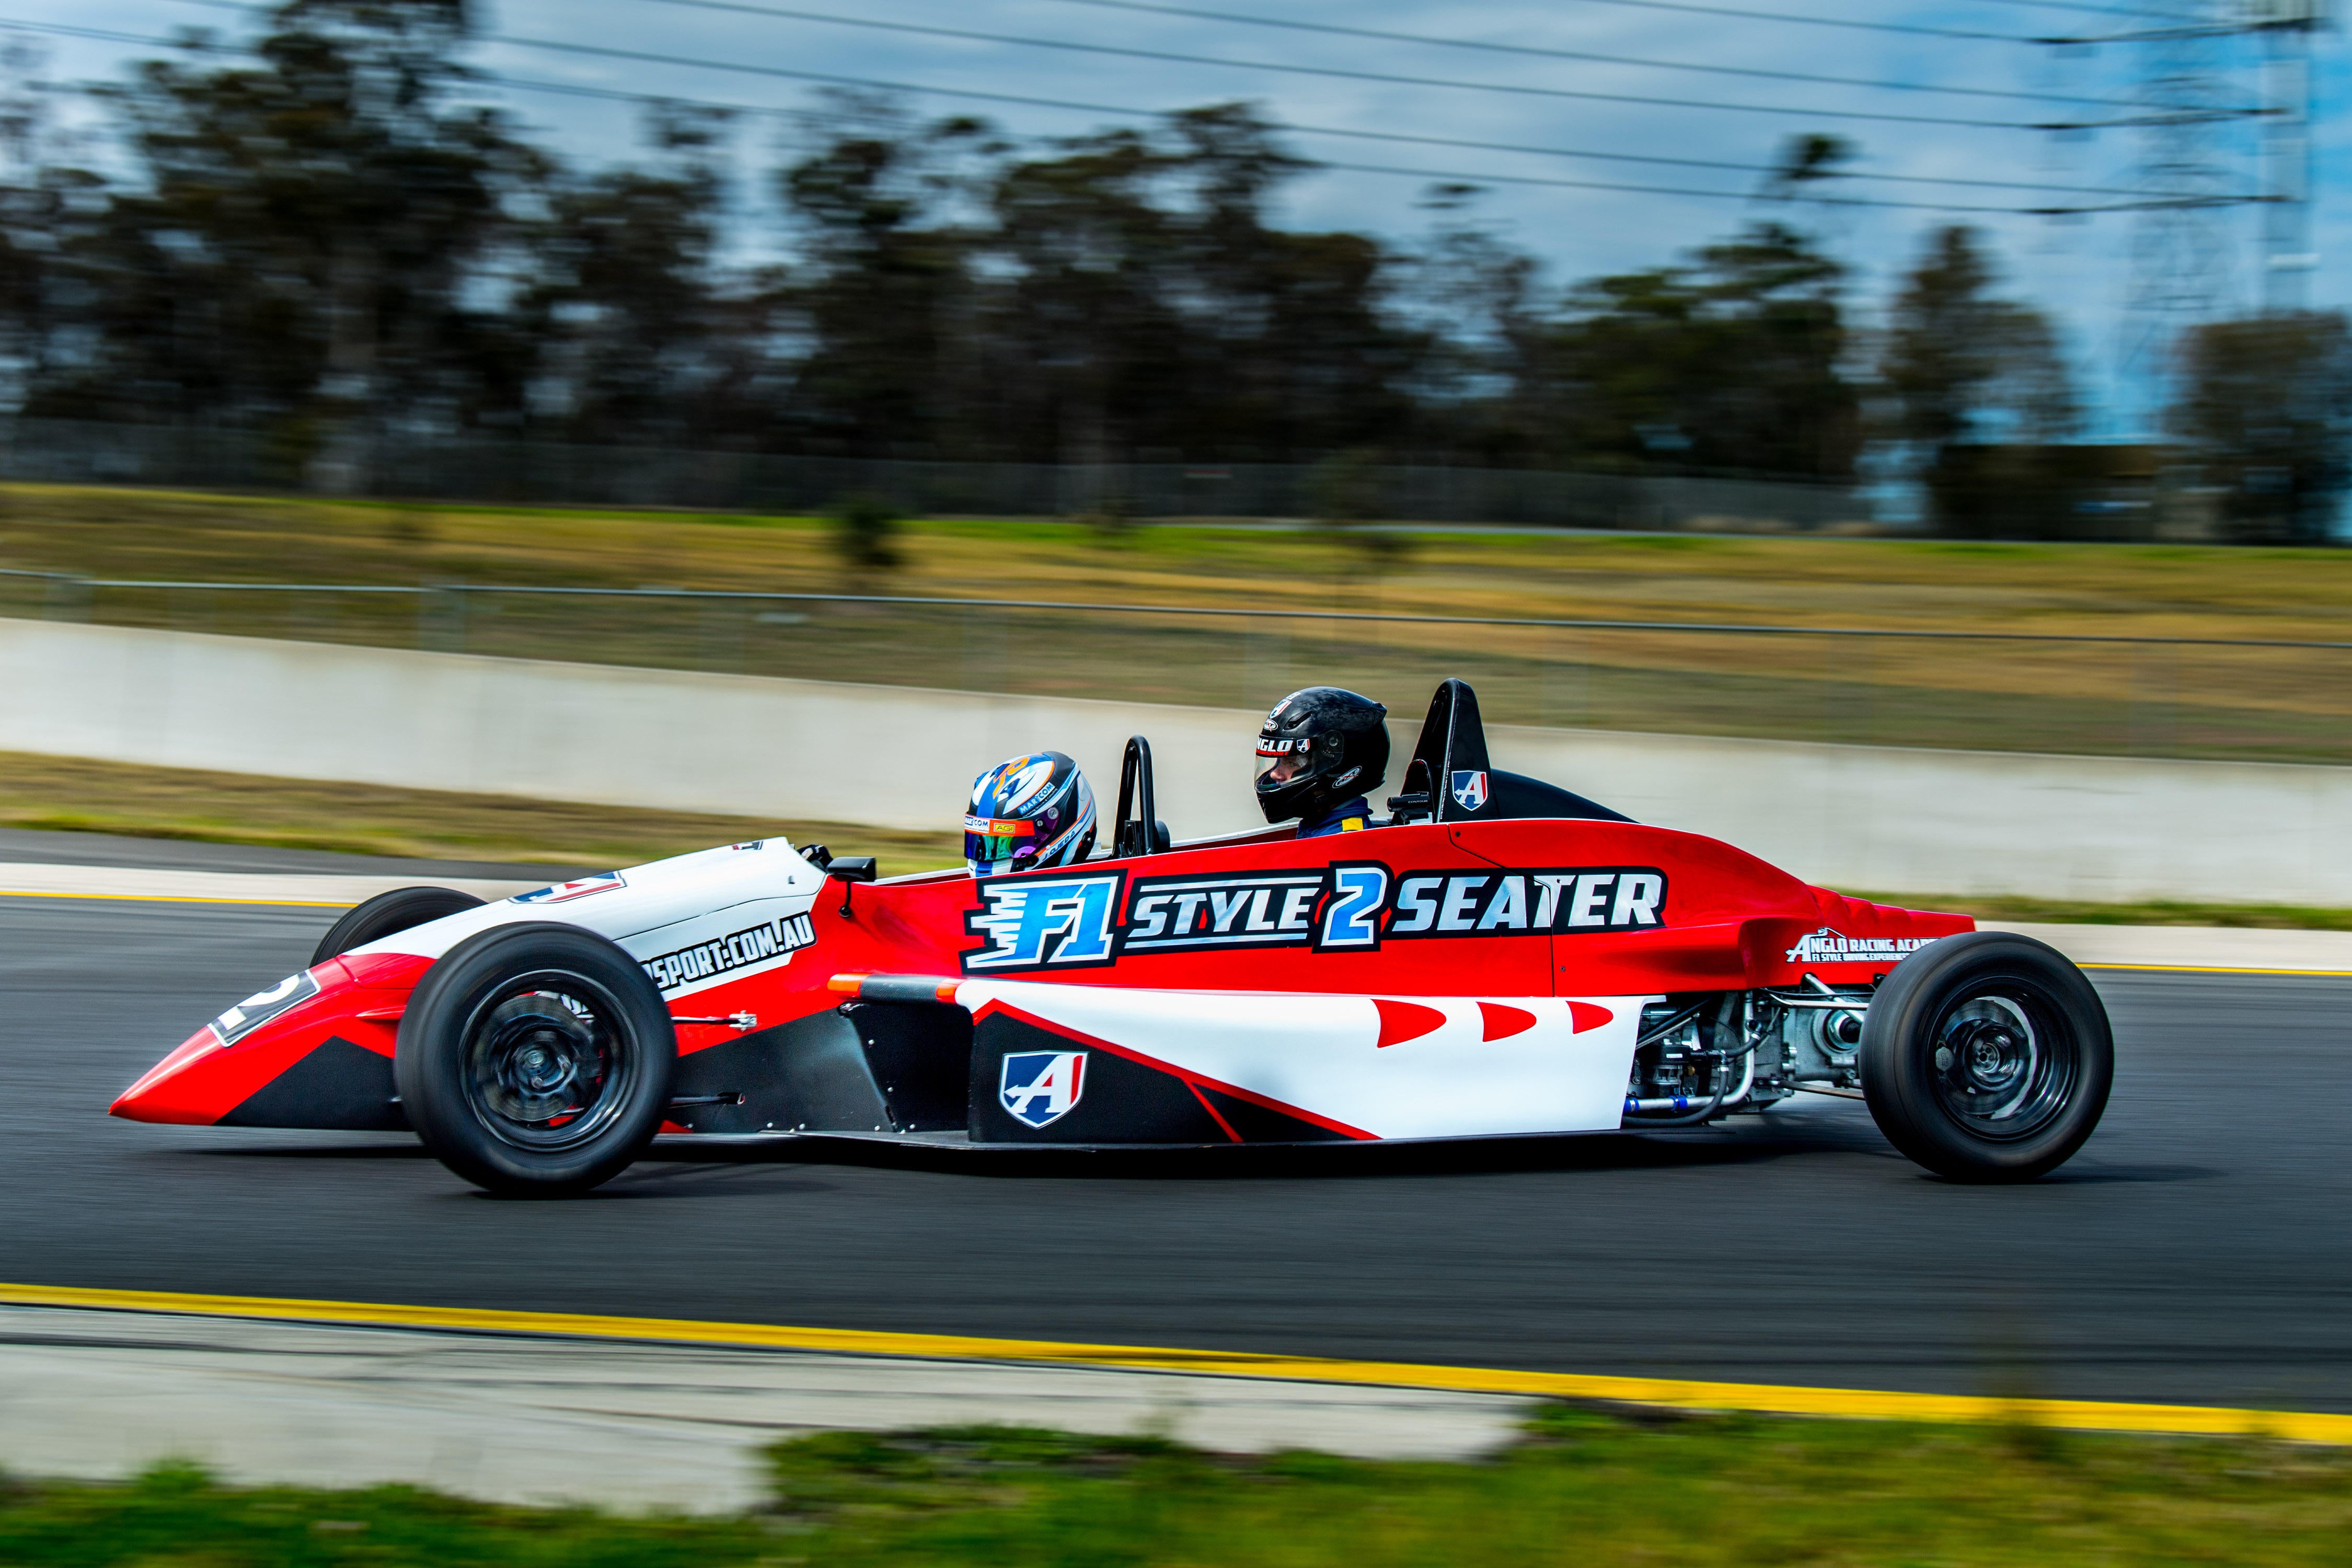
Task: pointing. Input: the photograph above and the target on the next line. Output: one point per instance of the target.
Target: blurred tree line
(330, 238)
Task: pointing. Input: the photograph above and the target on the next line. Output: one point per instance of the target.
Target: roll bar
(1137, 828)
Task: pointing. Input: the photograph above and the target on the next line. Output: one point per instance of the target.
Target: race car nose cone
(174, 1090)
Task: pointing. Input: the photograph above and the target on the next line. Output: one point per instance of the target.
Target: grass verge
(75, 795)
(2154, 590)
(2282, 704)
(1582, 1487)
(2150, 912)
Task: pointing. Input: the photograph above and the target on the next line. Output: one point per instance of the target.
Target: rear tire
(535, 1060)
(1986, 1057)
(389, 914)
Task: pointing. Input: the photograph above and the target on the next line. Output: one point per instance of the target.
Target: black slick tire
(1986, 1057)
(389, 914)
(535, 1060)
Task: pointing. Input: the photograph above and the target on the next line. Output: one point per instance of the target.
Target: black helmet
(1317, 748)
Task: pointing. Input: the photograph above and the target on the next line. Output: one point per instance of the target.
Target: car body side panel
(1365, 1067)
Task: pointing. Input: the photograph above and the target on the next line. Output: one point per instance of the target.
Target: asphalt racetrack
(2199, 1250)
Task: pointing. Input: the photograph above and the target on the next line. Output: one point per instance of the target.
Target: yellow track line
(182, 898)
(2189, 1420)
(2225, 969)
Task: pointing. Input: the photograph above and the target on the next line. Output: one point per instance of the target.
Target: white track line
(23, 880)
(2214, 948)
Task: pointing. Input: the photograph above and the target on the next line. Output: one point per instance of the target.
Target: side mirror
(848, 869)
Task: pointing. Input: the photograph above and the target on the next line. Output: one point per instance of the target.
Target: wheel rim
(548, 1062)
(2002, 1060)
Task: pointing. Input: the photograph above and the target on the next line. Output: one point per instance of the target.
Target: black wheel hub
(1990, 1056)
(545, 1065)
(2004, 1064)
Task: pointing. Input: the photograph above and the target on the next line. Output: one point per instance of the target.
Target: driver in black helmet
(1319, 754)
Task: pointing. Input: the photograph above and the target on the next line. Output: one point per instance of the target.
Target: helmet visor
(1283, 761)
(989, 840)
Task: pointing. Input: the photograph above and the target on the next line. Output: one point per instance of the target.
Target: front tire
(535, 1060)
(389, 914)
(1986, 1057)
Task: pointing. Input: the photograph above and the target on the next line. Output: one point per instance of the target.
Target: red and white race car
(1509, 958)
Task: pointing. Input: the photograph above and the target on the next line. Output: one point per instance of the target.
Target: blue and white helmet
(1033, 811)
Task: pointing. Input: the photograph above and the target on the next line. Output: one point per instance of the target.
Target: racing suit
(1347, 817)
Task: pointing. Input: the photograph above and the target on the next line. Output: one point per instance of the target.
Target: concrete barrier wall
(1854, 816)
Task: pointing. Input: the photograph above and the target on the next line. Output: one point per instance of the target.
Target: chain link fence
(510, 472)
(2217, 699)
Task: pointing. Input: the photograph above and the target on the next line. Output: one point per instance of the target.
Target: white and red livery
(1508, 959)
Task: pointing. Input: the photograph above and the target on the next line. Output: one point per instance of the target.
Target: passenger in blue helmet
(1029, 812)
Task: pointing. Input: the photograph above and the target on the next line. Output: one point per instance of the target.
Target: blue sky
(2076, 268)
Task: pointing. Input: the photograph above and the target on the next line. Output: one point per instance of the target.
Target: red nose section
(185, 1086)
(218, 1069)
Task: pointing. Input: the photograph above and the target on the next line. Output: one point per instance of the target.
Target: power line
(1541, 52)
(101, 35)
(1690, 8)
(1127, 111)
(1452, 177)
(599, 51)
(744, 8)
(2075, 6)
(1447, 175)
(1441, 175)
(649, 57)
(1377, 76)
(1343, 73)
(1294, 128)
(1743, 13)
(830, 79)
(1648, 100)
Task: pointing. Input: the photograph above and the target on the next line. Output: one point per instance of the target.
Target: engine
(1816, 1031)
(1704, 1055)
(1692, 1060)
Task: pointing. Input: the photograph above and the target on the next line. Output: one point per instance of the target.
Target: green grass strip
(2146, 912)
(1582, 1487)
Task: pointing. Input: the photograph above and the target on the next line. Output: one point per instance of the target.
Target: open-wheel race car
(1506, 959)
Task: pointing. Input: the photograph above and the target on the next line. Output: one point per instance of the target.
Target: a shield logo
(1470, 788)
(564, 892)
(1041, 1086)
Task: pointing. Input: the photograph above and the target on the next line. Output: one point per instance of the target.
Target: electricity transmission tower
(2193, 174)
(2181, 248)
(2288, 259)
